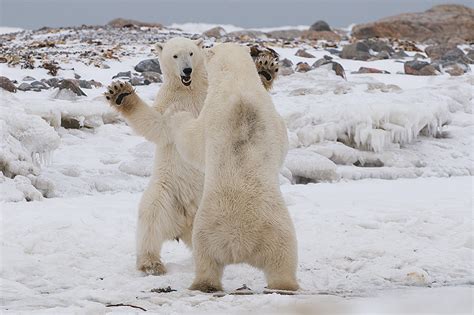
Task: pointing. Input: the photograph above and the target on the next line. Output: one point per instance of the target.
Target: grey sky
(33, 14)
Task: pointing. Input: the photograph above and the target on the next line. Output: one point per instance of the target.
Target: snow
(7, 29)
(366, 245)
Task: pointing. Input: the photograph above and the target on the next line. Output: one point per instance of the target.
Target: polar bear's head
(229, 57)
(181, 58)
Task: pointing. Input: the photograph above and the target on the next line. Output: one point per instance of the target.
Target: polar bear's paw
(152, 267)
(205, 287)
(266, 61)
(120, 95)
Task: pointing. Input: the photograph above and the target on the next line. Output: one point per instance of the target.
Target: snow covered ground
(369, 245)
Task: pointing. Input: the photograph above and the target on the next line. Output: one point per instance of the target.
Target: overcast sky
(31, 14)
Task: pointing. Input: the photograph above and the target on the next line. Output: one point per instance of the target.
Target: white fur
(169, 204)
(240, 142)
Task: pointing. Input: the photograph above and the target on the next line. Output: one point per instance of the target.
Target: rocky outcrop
(442, 23)
(119, 22)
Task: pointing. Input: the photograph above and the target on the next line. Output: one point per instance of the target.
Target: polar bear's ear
(158, 48)
(198, 42)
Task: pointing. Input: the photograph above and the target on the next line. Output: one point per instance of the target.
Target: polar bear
(169, 203)
(240, 142)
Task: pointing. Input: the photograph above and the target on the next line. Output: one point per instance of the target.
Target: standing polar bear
(240, 142)
(168, 205)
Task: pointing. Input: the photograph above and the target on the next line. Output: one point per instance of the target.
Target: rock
(84, 84)
(378, 45)
(303, 67)
(357, 51)
(123, 75)
(52, 68)
(148, 65)
(70, 85)
(77, 76)
(137, 81)
(6, 84)
(381, 56)
(455, 68)
(323, 61)
(338, 69)
(416, 67)
(334, 51)
(286, 67)
(370, 70)
(71, 123)
(321, 35)
(436, 52)
(38, 86)
(216, 32)
(286, 63)
(303, 53)
(440, 23)
(119, 22)
(52, 82)
(28, 78)
(285, 34)
(470, 56)
(399, 54)
(455, 54)
(24, 87)
(152, 77)
(320, 26)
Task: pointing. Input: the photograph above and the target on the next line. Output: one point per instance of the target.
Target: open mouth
(186, 80)
(266, 75)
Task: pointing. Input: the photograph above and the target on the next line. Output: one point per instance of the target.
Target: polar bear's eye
(175, 56)
(190, 53)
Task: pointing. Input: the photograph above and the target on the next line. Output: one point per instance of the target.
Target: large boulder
(356, 51)
(441, 23)
(148, 65)
(320, 26)
(216, 32)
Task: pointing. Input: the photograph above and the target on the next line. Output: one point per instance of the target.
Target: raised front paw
(119, 94)
(266, 60)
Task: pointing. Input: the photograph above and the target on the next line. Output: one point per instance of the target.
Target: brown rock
(8, 85)
(120, 22)
(416, 67)
(72, 86)
(454, 69)
(216, 32)
(321, 35)
(370, 70)
(303, 67)
(303, 53)
(440, 23)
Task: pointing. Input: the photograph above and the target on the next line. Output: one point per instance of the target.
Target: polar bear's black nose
(187, 71)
